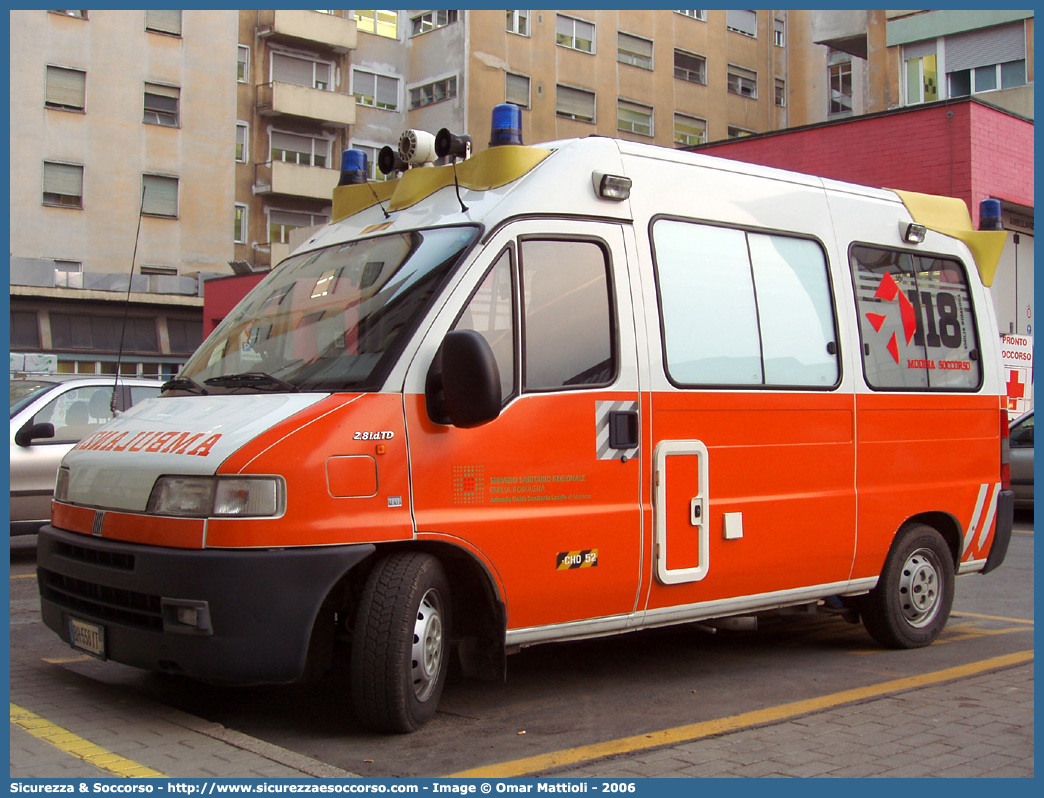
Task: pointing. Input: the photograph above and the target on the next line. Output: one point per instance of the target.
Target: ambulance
(547, 393)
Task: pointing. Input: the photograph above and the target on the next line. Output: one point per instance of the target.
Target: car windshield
(331, 319)
(25, 391)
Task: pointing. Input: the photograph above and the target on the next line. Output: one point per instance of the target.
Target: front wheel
(400, 644)
(912, 600)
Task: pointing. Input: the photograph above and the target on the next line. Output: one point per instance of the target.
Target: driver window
(490, 312)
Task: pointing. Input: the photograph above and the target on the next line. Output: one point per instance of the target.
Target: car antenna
(126, 306)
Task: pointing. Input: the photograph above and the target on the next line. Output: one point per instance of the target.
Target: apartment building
(869, 61)
(120, 188)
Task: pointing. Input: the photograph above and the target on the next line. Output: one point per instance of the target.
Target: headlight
(221, 497)
(61, 485)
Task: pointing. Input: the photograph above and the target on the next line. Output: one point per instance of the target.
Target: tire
(912, 600)
(400, 646)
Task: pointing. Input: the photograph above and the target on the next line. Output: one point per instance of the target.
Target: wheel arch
(946, 525)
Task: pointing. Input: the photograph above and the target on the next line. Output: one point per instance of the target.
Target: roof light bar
(990, 214)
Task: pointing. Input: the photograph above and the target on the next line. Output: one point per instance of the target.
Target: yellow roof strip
(949, 216)
(485, 170)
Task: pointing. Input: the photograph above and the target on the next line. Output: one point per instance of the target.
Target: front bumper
(254, 608)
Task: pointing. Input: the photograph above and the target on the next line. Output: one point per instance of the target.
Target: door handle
(623, 429)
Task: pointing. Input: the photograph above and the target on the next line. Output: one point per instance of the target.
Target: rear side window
(916, 321)
(743, 308)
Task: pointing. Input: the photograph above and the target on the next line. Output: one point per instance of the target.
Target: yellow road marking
(991, 617)
(66, 660)
(695, 731)
(23, 576)
(71, 744)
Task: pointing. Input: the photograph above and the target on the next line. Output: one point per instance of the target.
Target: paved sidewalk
(980, 726)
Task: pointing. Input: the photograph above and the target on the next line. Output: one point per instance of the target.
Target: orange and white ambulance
(550, 393)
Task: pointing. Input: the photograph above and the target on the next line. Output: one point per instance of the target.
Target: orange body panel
(177, 533)
(301, 450)
(785, 461)
(524, 490)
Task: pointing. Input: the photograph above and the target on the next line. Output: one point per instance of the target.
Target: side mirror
(463, 384)
(31, 432)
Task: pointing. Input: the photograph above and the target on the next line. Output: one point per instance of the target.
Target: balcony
(841, 30)
(295, 180)
(308, 27)
(328, 107)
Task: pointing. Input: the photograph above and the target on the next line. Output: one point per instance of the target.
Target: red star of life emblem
(889, 291)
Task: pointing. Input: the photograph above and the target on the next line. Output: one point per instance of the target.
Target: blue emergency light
(506, 126)
(353, 167)
(990, 214)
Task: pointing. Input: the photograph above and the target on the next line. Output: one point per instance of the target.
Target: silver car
(1021, 446)
(49, 415)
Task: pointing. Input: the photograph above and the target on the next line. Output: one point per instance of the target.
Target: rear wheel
(400, 644)
(911, 603)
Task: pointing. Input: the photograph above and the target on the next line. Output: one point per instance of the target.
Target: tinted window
(568, 340)
(916, 321)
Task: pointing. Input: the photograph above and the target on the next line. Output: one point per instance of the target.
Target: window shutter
(919, 49)
(517, 90)
(164, 21)
(742, 21)
(65, 87)
(291, 143)
(985, 47)
(574, 102)
(387, 92)
(65, 179)
(292, 70)
(161, 195)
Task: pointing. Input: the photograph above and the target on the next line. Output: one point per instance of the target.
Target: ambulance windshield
(330, 319)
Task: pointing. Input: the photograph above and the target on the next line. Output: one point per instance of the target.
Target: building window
(243, 63)
(161, 105)
(381, 23)
(372, 151)
(62, 184)
(517, 90)
(840, 88)
(779, 33)
(168, 22)
(300, 149)
(280, 223)
(239, 223)
(242, 141)
(734, 132)
(690, 67)
(634, 117)
(781, 93)
(73, 14)
(575, 103)
(634, 50)
(518, 22)
(375, 91)
(745, 22)
(700, 15)
(987, 78)
(302, 71)
(432, 20)
(576, 34)
(161, 196)
(25, 330)
(66, 88)
(743, 82)
(689, 130)
(922, 78)
(68, 274)
(435, 92)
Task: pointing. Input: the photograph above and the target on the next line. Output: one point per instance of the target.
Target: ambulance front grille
(125, 562)
(105, 603)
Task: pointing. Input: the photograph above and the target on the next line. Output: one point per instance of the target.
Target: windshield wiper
(252, 379)
(183, 384)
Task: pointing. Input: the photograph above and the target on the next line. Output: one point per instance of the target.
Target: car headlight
(61, 485)
(217, 497)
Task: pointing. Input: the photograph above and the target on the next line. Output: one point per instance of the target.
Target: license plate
(89, 637)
